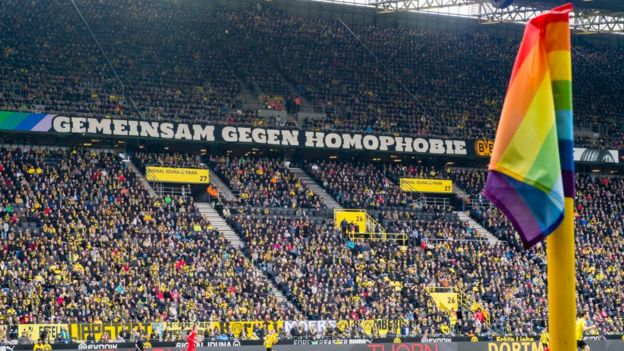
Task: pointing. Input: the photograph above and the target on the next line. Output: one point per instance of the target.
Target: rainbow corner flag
(532, 168)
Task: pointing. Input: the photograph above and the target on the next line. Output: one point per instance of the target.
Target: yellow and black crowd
(103, 250)
(83, 241)
(599, 224)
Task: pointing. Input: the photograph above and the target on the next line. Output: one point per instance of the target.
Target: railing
(465, 300)
(433, 201)
(469, 303)
(372, 225)
(398, 237)
(163, 190)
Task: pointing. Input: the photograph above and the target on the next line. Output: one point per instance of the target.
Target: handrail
(371, 224)
(466, 301)
(382, 236)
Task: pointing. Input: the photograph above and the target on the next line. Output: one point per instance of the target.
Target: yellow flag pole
(562, 283)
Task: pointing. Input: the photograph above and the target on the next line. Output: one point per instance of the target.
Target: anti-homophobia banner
(26, 122)
(209, 133)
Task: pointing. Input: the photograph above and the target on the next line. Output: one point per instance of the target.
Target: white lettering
(119, 127)
(259, 135)
(149, 129)
(460, 147)
(102, 126)
(333, 140)
(61, 124)
(183, 132)
(449, 147)
(404, 144)
(420, 145)
(272, 137)
(133, 126)
(385, 142)
(436, 146)
(352, 141)
(371, 142)
(314, 139)
(205, 133)
(78, 125)
(290, 137)
(229, 134)
(244, 134)
(166, 130)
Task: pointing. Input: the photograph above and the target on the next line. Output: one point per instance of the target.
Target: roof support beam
(584, 21)
(387, 6)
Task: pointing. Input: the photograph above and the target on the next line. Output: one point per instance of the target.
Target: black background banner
(209, 133)
(608, 343)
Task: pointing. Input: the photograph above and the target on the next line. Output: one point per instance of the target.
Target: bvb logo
(342, 325)
(484, 147)
(237, 329)
(474, 339)
(367, 326)
(445, 329)
(147, 345)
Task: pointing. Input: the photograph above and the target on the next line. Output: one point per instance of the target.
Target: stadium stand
(102, 250)
(264, 182)
(598, 224)
(82, 241)
(181, 73)
(358, 185)
(144, 159)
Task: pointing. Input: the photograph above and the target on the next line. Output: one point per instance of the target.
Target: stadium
(188, 175)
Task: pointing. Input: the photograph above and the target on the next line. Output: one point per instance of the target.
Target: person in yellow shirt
(270, 340)
(545, 340)
(42, 346)
(581, 328)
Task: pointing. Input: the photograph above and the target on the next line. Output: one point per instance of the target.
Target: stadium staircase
(250, 101)
(447, 296)
(223, 189)
(464, 216)
(461, 194)
(467, 302)
(141, 178)
(317, 189)
(219, 223)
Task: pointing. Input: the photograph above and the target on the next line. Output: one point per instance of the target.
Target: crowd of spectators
(189, 63)
(82, 241)
(173, 159)
(251, 58)
(264, 182)
(104, 250)
(598, 232)
(459, 95)
(330, 277)
(359, 185)
(165, 55)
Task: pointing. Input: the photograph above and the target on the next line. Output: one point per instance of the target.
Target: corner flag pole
(531, 171)
(562, 283)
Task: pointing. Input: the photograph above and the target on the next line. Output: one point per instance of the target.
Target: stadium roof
(604, 5)
(590, 16)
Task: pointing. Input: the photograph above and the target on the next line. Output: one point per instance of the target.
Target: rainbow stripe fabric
(532, 167)
(25, 121)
